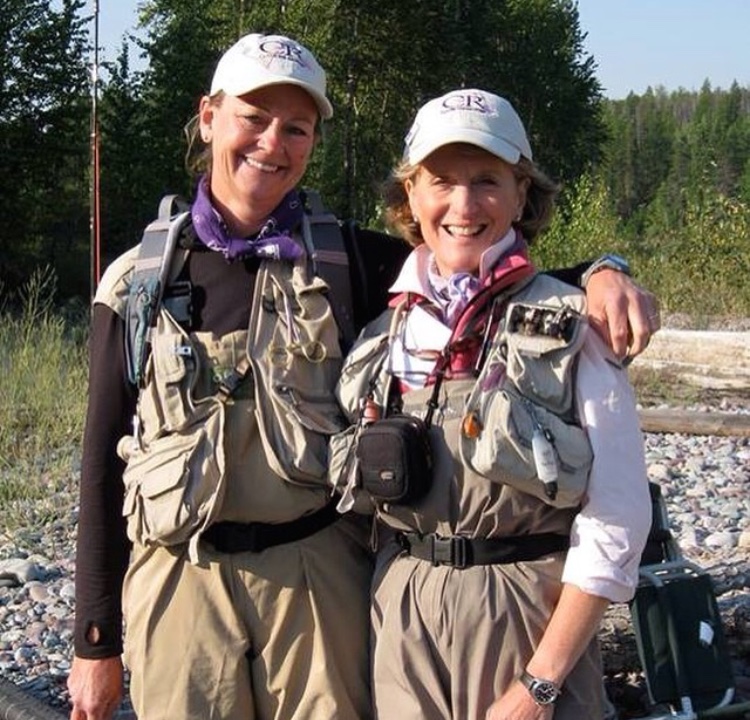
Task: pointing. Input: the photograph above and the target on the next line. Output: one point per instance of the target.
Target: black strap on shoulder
(152, 268)
(326, 250)
(324, 242)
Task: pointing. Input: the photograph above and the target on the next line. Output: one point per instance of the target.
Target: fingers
(620, 336)
(95, 688)
(624, 314)
(608, 297)
(644, 318)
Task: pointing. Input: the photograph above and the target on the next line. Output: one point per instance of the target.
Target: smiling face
(260, 146)
(465, 200)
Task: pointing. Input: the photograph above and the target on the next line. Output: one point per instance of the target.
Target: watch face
(544, 692)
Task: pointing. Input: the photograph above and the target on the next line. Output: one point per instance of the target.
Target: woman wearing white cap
(255, 603)
(246, 594)
(506, 533)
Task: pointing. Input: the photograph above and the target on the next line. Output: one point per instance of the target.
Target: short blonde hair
(536, 216)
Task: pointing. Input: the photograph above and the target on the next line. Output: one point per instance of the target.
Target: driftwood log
(708, 359)
(659, 420)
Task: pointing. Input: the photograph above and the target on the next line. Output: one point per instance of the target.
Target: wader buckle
(453, 551)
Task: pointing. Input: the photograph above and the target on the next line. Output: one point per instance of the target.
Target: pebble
(705, 483)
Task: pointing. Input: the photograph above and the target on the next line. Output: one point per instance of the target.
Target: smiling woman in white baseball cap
(259, 124)
(525, 513)
(471, 120)
(248, 596)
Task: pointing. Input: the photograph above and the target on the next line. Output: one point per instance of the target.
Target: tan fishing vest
(261, 456)
(485, 473)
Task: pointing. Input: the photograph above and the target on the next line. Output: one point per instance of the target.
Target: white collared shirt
(609, 533)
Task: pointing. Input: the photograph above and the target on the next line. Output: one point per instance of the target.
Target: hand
(95, 688)
(624, 314)
(517, 704)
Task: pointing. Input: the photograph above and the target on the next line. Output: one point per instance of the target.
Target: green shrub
(698, 264)
(584, 226)
(702, 269)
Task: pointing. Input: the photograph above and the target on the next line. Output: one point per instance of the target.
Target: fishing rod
(94, 211)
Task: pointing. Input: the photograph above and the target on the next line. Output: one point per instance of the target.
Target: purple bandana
(460, 289)
(273, 242)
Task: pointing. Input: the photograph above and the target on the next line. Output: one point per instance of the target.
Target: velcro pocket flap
(169, 476)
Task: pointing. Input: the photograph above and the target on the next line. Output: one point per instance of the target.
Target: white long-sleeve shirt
(610, 531)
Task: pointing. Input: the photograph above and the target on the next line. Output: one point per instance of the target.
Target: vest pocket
(296, 362)
(503, 451)
(541, 366)
(297, 424)
(174, 364)
(315, 411)
(173, 487)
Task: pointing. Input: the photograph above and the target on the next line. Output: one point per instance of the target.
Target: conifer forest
(662, 178)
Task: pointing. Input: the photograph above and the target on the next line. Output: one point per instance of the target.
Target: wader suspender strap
(324, 243)
(160, 239)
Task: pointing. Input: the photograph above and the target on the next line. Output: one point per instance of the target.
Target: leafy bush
(584, 226)
(698, 264)
(701, 268)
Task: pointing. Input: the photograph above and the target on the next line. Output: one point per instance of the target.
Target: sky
(636, 44)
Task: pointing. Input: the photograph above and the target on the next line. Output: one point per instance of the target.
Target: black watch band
(544, 692)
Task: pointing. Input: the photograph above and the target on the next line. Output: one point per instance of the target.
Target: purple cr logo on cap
(466, 101)
(284, 50)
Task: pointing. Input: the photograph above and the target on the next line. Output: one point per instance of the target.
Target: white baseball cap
(257, 60)
(472, 116)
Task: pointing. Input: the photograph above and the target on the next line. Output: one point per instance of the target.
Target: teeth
(261, 166)
(465, 230)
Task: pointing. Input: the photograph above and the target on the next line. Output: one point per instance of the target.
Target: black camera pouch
(395, 459)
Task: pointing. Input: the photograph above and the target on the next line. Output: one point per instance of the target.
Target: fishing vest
(518, 423)
(199, 454)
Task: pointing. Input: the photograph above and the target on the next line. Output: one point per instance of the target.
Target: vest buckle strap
(450, 551)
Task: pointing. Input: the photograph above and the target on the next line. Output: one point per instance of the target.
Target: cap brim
(496, 146)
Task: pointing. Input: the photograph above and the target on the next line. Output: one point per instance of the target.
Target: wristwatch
(544, 692)
(606, 262)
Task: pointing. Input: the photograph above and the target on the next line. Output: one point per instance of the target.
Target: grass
(43, 372)
(654, 387)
